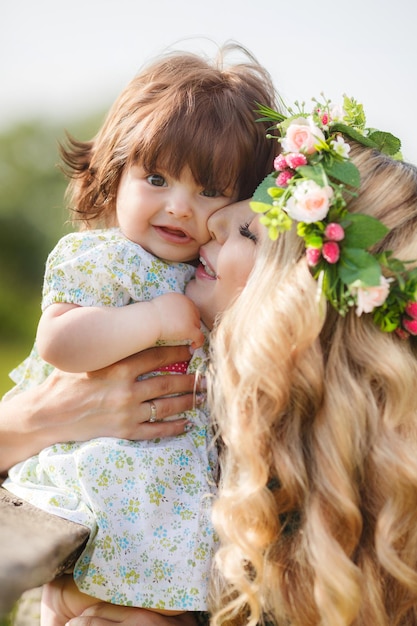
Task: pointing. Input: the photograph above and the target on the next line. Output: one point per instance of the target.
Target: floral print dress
(147, 503)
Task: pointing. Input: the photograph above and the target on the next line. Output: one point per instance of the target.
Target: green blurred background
(32, 218)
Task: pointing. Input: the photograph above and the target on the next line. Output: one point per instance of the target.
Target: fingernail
(191, 349)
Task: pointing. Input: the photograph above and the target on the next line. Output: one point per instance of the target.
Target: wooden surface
(35, 547)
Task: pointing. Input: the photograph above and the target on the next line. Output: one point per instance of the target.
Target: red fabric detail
(179, 368)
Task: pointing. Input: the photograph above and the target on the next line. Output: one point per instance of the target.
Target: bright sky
(62, 58)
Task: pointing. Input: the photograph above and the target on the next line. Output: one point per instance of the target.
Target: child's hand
(179, 319)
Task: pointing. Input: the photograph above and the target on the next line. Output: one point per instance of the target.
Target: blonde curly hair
(318, 415)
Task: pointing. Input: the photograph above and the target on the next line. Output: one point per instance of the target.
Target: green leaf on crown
(276, 192)
(316, 173)
(362, 231)
(313, 241)
(353, 134)
(259, 207)
(268, 114)
(261, 192)
(377, 139)
(360, 267)
(385, 142)
(345, 172)
(355, 115)
(387, 321)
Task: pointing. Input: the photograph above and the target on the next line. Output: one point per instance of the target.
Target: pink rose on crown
(334, 232)
(368, 298)
(302, 135)
(313, 256)
(295, 159)
(309, 202)
(331, 252)
(410, 326)
(284, 177)
(280, 163)
(411, 310)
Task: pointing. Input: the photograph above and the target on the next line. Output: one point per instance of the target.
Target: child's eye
(245, 232)
(211, 193)
(156, 180)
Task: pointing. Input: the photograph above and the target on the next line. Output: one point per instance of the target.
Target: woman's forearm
(20, 433)
(111, 402)
(57, 410)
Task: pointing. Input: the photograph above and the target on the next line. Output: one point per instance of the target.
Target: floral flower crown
(312, 176)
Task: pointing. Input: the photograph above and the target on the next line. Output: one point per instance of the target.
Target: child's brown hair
(181, 110)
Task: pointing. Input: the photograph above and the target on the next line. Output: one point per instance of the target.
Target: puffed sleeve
(103, 268)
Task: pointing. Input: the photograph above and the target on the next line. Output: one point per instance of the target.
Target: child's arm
(78, 339)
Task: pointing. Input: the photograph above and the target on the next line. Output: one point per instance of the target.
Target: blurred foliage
(32, 218)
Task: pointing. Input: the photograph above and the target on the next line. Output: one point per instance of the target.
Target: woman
(315, 395)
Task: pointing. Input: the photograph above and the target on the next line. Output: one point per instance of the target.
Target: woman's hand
(104, 614)
(106, 403)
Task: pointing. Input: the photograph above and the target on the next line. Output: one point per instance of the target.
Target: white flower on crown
(337, 113)
(302, 135)
(368, 298)
(341, 147)
(309, 202)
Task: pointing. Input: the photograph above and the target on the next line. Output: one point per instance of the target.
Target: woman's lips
(205, 270)
(173, 235)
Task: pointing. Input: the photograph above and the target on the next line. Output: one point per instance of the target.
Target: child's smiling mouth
(173, 235)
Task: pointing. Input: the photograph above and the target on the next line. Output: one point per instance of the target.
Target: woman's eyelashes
(245, 231)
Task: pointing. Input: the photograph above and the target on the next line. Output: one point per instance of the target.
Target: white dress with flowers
(147, 503)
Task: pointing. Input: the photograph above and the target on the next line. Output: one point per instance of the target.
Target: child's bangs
(215, 161)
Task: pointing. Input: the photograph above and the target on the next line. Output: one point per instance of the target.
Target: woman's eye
(210, 193)
(245, 232)
(156, 180)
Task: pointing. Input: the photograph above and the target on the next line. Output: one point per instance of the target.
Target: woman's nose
(217, 225)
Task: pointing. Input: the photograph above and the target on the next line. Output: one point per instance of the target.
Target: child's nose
(180, 206)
